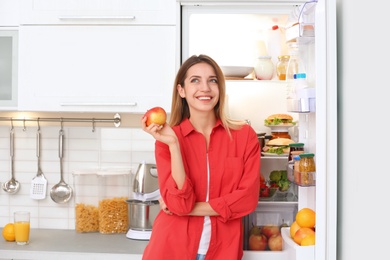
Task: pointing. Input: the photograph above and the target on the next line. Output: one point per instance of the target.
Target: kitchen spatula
(39, 182)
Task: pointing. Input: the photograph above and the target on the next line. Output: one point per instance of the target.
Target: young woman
(208, 170)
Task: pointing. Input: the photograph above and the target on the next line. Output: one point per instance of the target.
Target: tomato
(264, 191)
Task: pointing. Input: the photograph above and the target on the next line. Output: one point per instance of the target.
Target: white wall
(363, 193)
(107, 147)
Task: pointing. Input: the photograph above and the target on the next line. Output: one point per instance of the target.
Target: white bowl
(236, 71)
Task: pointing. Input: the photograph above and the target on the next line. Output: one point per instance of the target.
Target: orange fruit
(9, 232)
(302, 233)
(309, 240)
(306, 217)
(293, 228)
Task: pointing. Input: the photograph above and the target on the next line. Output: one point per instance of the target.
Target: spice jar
(264, 68)
(281, 66)
(307, 169)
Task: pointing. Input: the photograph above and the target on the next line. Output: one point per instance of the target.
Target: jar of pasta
(114, 190)
(307, 169)
(85, 183)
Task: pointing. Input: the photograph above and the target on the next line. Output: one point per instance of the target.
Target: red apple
(156, 115)
(270, 230)
(275, 242)
(258, 242)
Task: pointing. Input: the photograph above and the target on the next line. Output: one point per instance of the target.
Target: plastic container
(114, 190)
(85, 183)
(264, 68)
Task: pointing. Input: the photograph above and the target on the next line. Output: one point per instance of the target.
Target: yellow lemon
(9, 232)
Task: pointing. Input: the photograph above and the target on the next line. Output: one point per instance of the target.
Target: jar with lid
(297, 175)
(307, 169)
(264, 68)
(85, 183)
(295, 149)
(281, 66)
(113, 192)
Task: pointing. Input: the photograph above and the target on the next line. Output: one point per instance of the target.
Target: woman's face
(200, 88)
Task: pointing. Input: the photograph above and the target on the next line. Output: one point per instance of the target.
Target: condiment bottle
(281, 66)
(264, 68)
(297, 175)
(307, 169)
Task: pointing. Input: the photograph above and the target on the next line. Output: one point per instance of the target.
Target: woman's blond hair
(180, 109)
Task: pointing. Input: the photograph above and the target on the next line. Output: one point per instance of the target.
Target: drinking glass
(22, 227)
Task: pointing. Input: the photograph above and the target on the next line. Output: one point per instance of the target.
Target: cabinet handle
(75, 17)
(132, 104)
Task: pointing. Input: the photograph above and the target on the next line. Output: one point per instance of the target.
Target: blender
(144, 206)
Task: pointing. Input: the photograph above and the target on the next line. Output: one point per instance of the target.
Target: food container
(307, 170)
(85, 183)
(114, 190)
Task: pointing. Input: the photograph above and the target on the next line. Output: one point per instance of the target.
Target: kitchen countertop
(69, 244)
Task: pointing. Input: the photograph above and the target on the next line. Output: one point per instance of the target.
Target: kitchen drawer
(98, 12)
(96, 68)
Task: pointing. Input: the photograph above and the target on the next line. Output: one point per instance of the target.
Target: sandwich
(279, 119)
(278, 146)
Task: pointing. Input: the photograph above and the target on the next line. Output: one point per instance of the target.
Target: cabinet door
(96, 68)
(98, 12)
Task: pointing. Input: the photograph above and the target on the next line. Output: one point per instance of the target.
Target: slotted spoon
(39, 182)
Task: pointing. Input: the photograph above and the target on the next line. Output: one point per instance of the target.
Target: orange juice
(22, 232)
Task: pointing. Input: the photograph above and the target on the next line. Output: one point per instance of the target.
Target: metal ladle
(12, 186)
(61, 192)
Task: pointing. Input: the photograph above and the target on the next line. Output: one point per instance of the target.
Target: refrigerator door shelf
(293, 250)
(301, 105)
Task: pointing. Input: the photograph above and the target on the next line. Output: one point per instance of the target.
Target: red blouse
(234, 193)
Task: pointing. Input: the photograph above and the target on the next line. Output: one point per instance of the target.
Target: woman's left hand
(164, 207)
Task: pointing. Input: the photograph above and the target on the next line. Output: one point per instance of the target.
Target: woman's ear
(181, 91)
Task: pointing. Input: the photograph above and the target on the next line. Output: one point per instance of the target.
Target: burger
(279, 119)
(278, 146)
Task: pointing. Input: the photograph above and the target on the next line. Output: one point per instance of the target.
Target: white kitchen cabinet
(110, 68)
(9, 13)
(98, 12)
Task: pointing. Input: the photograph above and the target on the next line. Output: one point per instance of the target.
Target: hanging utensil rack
(116, 120)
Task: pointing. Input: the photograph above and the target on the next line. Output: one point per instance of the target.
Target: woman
(208, 170)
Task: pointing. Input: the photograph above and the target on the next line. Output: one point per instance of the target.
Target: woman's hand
(163, 133)
(164, 207)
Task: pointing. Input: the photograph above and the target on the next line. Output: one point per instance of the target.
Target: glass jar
(280, 135)
(281, 66)
(307, 169)
(295, 149)
(264, 68)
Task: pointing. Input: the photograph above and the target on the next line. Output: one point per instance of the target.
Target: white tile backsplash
(107, 147)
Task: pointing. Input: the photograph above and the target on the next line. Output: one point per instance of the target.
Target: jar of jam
(281, 66)
(295, 149)
(280, 135)
(307, 169)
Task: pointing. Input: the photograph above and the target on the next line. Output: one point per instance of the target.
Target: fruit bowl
(236, 71)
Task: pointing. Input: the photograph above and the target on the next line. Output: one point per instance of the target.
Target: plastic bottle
(274, 43)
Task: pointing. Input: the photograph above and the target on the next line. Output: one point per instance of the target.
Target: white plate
(275, 155)
(279, 128)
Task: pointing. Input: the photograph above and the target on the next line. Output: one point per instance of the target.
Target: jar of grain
(307, 169)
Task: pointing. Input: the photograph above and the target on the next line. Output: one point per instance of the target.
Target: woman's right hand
(163, 133)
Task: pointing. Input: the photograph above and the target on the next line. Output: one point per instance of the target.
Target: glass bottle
(281, 66)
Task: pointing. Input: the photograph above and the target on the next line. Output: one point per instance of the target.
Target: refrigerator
(236, 33)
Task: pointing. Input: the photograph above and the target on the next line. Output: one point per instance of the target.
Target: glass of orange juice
(22, 227)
